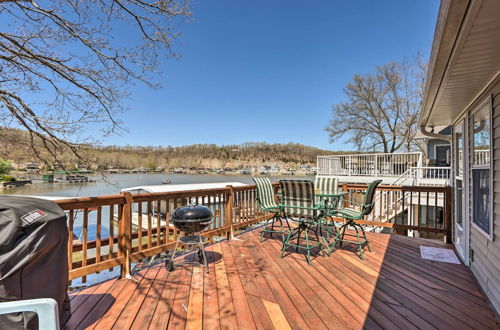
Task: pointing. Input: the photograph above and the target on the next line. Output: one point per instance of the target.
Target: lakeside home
(463, 91)
(419, 216)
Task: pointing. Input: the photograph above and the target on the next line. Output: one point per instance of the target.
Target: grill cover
(33, 256)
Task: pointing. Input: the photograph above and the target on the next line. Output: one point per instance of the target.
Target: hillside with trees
(197, 155)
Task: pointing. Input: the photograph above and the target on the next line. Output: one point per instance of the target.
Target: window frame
(489, 104)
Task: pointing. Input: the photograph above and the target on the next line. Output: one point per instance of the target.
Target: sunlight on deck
(250, 286)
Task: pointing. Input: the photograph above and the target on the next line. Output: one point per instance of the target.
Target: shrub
(7, 178)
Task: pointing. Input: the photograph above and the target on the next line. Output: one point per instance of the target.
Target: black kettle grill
(191, 220)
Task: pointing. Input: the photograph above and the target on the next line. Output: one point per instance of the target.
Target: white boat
(181, 187)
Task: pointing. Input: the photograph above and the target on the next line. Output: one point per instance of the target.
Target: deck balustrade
(130, 227)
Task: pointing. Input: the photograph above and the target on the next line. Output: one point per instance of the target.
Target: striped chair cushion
(265, 194)
(325, 185)
(298, 193)
(350, 213)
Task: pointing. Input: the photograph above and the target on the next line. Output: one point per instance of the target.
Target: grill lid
(192, 213)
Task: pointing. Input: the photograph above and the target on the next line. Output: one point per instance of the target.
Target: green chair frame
(326, 195)
(267, 202)
(298, 204)
(351, 216)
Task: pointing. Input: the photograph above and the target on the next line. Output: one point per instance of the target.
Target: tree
(5, 167)
(382, 108)
(63, 66)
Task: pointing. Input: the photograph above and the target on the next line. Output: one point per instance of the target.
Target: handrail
(373, 164)
(130, 227)
(407, 208)
(138, 226)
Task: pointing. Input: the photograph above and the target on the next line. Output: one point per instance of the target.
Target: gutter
(435, 135)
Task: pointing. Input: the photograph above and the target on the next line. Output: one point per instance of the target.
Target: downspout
(435, 135)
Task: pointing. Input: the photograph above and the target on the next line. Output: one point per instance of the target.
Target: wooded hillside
(197, 155)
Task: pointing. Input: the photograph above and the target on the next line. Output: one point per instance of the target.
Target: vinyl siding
(485, 263)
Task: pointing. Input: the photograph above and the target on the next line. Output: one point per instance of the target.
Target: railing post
(350, 165)
(229, 211)
(125, 238)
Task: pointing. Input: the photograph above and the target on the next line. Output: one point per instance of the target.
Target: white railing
(481, 157)
(431, 175)
(378, 164)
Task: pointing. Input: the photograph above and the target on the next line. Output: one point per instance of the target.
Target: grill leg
(202, 248)
(169, 264)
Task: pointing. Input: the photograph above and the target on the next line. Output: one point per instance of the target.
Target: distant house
(32, 168)
(463, 91)
(438, 151)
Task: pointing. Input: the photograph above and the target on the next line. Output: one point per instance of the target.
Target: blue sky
(271, 70)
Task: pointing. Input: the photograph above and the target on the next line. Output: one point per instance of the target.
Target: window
(481, 170)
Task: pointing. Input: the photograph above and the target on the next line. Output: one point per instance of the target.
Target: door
(460, 220)
(443, 155)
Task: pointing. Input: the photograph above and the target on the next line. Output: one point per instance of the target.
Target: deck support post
(125, 239)
(229, 211)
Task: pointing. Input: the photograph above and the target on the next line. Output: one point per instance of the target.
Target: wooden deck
(249, 286)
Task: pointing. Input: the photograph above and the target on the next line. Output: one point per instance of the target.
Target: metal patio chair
(351, 215)
(267, 202)
(326, 195)
(298, 204)
(325, 185)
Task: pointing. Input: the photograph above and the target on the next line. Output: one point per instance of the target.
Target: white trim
(488, 102)
(463, 124)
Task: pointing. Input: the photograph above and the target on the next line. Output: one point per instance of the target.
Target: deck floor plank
(121, 300)
(163, 309)
(211, 304)
(178, 313)
(131, 309)
(290, 305)
(250, 286)
(146, 312)
(227, 313)
(241, 306)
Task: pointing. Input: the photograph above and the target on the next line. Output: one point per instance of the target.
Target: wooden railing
(406, 209)
(130, 227)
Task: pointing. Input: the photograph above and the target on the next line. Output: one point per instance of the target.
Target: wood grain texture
(250, 286)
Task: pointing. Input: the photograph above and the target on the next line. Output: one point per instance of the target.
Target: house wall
(484, 252)
(431, 143)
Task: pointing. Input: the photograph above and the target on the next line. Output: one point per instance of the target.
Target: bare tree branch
(381, 111)
(61, 68)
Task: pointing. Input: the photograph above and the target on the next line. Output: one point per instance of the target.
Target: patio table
(328, 206)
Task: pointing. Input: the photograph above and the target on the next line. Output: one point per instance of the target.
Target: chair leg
(308, 248)
(272, 226)
(324, 241)
(343, 233)
(298, 237)
(264, 230)
(360, 244)
(285, 242)
(366, 239)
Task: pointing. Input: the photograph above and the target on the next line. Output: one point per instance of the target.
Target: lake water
(113, 183)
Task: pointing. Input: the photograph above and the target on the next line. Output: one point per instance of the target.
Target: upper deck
(406, 168)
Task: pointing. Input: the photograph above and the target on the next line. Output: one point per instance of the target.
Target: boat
(166, 181)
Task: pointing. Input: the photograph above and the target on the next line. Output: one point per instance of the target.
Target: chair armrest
(332, 195)
(45, 308)
(316, 207)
